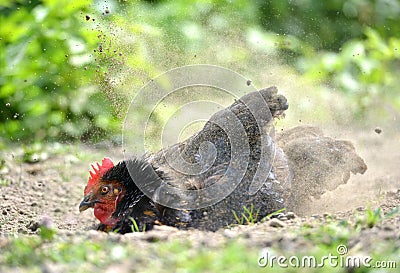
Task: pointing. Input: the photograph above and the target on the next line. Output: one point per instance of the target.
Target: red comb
(97, 173)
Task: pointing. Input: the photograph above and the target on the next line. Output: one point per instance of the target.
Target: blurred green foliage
(46, 82)
(365, 70)
(66, 66)
(329, 24)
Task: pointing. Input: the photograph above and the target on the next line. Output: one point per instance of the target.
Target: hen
(278, 172)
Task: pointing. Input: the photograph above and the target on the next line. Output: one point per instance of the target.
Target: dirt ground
(52, 190)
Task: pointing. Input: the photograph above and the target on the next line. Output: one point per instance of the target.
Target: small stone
(21, 230)
(87, 17)
(387, 228)
(165, 228)
(229, 233)
(33, 226)
(378, 130)
(99, 235)
(276, 223)
(277, 215)
(291, 215)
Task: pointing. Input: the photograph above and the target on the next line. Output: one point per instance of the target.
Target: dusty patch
(53, 188)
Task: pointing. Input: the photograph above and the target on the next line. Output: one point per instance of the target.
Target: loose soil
(51, 190)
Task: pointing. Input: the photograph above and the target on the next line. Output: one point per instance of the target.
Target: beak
(87, 203)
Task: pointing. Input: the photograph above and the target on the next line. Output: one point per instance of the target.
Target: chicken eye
(104, 190)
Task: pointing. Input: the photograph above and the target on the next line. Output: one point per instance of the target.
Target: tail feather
(319, 163)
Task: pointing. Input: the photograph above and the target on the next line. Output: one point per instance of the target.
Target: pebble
(276, 223)
(280, 214)
(229, 233)
(387, 228)
(165, 228)
(33, 226)
(153, 237)
(291, 215)
(96, 235)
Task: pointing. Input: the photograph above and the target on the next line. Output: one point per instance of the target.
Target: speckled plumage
(295, 170)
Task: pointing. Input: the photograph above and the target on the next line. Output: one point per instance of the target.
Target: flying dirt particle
(300, 120)
(8, 104)
(93, 20)
(66, 55)
(248, 82)
(378, 130)
(100, 48)
(87, 17)
(107, 10)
